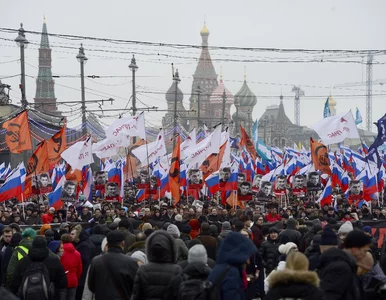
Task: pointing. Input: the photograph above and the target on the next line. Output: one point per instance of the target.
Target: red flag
(18, 136)
(174, 172)
(247, 143)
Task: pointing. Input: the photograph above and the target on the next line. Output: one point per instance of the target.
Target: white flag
(123, 128)
(226, 159)
(198, 153)
(189, 142)
(337, 128)
(79, 154)
(149, 153)
(105, 148)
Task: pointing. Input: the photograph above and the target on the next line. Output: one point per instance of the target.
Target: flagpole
(22, 202)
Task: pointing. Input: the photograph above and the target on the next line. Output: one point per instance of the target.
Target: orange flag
(56, 145)
(18, 137)
(132, 162)
(319, 157)
(174, 172)
(247, 143)
(73, 175)
(213, 162)
(37, 164)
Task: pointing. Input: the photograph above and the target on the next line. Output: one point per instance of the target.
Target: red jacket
(47, 218)
(195, 225)
(271, 218)
(72, 263)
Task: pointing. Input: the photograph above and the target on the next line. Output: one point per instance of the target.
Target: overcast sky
(269, 24)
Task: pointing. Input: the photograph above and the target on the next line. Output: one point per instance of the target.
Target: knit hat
(197, 254)
(54, 246)
(328, 238)
(103, 244)
(173, 230)
(273, 229)
(44, 228)
(64, 225)
(286, 248)
(186, 229)
(139, 255)
(367, 229)
(28, 233)
(52, 209)
(226, 226)
(178, 218)
(346, 227)
(146, 226)
(114, 237)
(356, 239)
(39, 242)
(194, 242)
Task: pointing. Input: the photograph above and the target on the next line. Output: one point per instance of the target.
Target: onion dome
(245, 96)
(171, 94)
(242, 116)
(217, 94)
(204, 31)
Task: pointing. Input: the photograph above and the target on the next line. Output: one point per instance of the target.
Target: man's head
(257, 180)
(357, 243)
(280, 182)
(266, 188)
(100, 177)
(7, 234)
(115, 239)
(313, 178)
(44, 180)
(240, 178)
(111, 189)
(225, 173)
(194, 176)
(69, 188)
(355, 187)
(244, 188)
(298, 182)
(273, 233)
(144, 175)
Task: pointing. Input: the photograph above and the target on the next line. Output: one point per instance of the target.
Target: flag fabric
(13, 186)
(174, 172)
(358, 117)
(87, 182)
(132, 162)
(105, 148)
(56, 145)
(212, 182)
(247, 143)
(337, 128)
(18, 136)
(190, 141)
(122, 129)
(264, 151)
(54, 198)
(149, 153)
(326, 196)
(213, 162)
(326, 110)
(373, 154)
(79, 154)
(319, 156)
(37, 164)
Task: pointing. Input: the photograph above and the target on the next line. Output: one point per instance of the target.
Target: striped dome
(216, 96)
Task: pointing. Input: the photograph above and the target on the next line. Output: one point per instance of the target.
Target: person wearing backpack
(228, 277)
(39, 276)
(190, 286)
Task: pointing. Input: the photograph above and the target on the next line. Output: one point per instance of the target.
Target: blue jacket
(234, 251)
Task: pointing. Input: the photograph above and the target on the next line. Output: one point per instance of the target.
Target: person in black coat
(290, 234)
(96, 238)
(111, 276)
(269, 250)
(39, 252)
(295, 282)
(153, 278)
(209, 242)
(6, 257)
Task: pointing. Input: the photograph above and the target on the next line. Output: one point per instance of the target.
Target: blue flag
(373, 154)
(326, 111)
(358, 117)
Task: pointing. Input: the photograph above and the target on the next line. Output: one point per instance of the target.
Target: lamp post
(133, 67)
(237, 116)
(176, 78)
(198, 107)
(224, 98)
(81, 57)
(22, 42)
(249, 122)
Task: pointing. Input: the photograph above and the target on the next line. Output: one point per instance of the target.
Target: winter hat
(186, 229)
(193, 243)
(367, 229)
(103, 244)
(173, 230)
(148, 232)
(16, 238)
(146, 226)
(346, 227)
(139, 255)
(197, 254)
(54, 246)
(273, 229)
(286, 248)
(44, 228)
(328, 238)
(166, 225)
(226, 226)
(29, 233)
(213, 229)
(114, 237)
(239, 225)
(291, 222)
(178, 218)
(297, 261)
(356, 239)
(64, 225)
(39, 242)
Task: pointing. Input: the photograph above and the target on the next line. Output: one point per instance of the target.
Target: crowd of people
(195, 250)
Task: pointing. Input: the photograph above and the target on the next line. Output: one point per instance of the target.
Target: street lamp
(22, 42)
(81, 57)
(133, 67)
(237, 115)
(176, 78)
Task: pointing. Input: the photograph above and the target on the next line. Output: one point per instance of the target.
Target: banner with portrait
(265, 193)
(314, 183)
(355, 192)
(69, 191)
(44, 184)
(100, 179)
(280, 186)
(299, 185)
(112, 192)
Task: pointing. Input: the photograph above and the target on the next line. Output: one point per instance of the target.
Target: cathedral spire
(44, 43)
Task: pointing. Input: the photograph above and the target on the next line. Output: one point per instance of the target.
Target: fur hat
(346, 227)
(197, 254)
(286, 248)
(297, 261)
(146, 226)
(114, 237)
(173, 230)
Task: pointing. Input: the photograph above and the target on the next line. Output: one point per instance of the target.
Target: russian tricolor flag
(54, 198)
(14, 184)
(87, 182)
(212, 181)
(326, 196)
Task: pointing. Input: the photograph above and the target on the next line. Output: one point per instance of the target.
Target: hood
(235, 249)
(195, 224)
(197, 270)
(334, 255)
(289, 277)
(97, 238)
(137, 246)
(161, 247)
(38, 254)
(83, 236)
(224, 233)
(316, 228)
(26, 242)
(291, 224)
(69, 247)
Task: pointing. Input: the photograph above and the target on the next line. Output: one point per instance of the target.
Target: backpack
(195, 289)
(36, 284)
